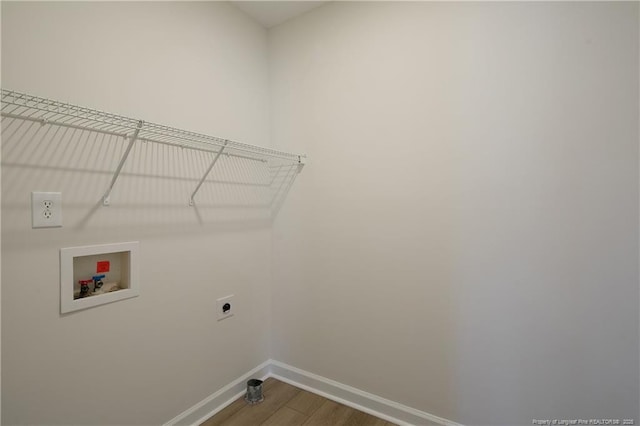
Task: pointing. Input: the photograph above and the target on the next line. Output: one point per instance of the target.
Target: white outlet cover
(46, 209)
(220, 307)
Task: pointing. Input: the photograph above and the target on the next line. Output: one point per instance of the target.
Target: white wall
(197, 66)
(0, 236)
(465, 239)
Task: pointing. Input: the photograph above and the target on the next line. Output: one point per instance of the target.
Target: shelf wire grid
(47, 111)
(267, 171)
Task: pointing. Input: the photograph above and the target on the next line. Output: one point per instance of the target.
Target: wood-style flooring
(286, 405)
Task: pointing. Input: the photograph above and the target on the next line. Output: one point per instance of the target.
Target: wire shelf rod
(125, 135)
(20, 105)
(67, 116)
(29, 108)
(208, 149)
(190, 138)
(57, 123)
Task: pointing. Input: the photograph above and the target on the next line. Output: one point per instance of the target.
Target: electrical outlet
(225, 307)
(46, 209)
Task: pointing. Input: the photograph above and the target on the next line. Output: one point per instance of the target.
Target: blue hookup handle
(98, 277)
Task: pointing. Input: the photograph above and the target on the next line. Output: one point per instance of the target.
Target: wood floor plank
(225, 413)
(306, 402)
(285, 416)
(330, 414)
(286, 405)
(267, 384)
(276, 395)
(358, 418)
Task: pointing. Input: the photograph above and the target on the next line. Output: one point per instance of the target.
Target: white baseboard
(220, 399)
(330, 389)
(355, 398)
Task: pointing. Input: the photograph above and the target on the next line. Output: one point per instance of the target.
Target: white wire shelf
(23, 106)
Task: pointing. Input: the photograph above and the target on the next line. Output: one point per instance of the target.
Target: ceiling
(272, 13)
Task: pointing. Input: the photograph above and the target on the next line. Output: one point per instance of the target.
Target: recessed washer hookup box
(95, 275)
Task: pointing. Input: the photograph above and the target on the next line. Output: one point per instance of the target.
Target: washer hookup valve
(97, 282)
(84, 287)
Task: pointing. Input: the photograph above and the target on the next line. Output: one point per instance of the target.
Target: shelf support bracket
(301, 162)
(213, 163)
(105, 197)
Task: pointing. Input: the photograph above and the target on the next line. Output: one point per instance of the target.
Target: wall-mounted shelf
(22, 106)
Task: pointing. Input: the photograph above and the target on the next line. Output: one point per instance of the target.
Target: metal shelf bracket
(213, 163)
(105, 197)
(301, 162)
